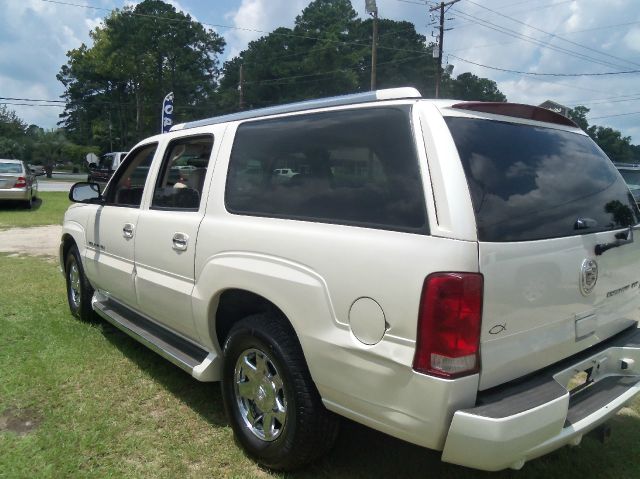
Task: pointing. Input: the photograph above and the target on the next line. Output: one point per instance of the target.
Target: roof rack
(516, 110)
(387, 94)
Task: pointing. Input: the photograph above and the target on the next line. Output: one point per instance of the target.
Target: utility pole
(241, 88)
(372, 9)
(441, 40)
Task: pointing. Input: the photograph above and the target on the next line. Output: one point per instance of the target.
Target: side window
(181, 178)
(128, 183)
(355, 167)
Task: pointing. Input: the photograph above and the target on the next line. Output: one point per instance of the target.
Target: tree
(114, 88)
(328, 52)
(468, 86)
(579, 116)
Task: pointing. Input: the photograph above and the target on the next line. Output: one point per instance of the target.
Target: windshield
(10, 168)
(529, 183)
(632, 177)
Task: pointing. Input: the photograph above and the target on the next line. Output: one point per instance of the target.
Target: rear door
(544, 198)
(167, 232)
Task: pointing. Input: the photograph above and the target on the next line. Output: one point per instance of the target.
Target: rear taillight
(20, 183)
(449, 321)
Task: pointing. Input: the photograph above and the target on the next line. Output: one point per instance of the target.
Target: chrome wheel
(74, 284)
(259, 394)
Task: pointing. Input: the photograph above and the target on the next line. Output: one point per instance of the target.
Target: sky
(548, 38)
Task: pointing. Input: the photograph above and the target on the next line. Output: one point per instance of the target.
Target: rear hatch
(9, 173)
(545, 196)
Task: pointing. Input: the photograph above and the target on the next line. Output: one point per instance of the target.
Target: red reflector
(448, 339)
(20, 183)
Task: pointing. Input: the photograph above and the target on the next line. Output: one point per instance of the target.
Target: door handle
(180, 241)
(127, 230)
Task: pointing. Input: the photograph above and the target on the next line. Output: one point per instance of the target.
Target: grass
(102, 405)
(48, 209)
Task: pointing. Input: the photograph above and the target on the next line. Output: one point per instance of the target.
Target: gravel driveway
(37, 241)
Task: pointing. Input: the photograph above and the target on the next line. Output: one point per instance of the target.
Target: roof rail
(516, 110)
(387, 94)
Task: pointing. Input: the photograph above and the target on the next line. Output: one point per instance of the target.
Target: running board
(198, 362)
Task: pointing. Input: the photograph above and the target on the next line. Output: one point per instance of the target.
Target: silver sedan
(17, 182)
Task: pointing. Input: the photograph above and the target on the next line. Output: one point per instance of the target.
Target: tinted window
(351, 167)
(128, 183)
(181, 178)
(530, 183)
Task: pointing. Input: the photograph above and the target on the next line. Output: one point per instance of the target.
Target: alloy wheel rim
(74, 284)
(259, 392)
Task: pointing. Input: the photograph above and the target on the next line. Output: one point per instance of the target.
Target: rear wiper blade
(622, 238)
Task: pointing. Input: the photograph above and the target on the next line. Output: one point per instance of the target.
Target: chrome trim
(370, 96)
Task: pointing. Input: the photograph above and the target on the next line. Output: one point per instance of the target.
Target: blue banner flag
(167, 113)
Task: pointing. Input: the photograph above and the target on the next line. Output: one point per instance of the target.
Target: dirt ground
(36, 241)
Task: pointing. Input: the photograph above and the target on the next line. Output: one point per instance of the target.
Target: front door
(109, 260)
(167, 231)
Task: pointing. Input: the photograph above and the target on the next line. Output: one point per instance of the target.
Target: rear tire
(79, 290)
(272, 404)
(28, 204)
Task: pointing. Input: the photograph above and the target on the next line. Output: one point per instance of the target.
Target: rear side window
(531, 183)
(355, 167)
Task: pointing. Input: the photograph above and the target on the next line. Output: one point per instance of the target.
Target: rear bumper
(526, 419)
(15, 194)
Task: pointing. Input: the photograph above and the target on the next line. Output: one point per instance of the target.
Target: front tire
(273, 406)
(79, 290)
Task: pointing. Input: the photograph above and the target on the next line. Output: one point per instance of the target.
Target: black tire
(309, 430)
(79, 291)
(28, 204)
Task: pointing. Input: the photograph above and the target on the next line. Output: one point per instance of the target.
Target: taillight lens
(448, 340)
(20, 183)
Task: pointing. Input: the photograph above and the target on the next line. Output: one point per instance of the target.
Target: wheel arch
(232, 286)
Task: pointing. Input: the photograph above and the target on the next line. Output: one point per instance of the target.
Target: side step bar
(198, 362)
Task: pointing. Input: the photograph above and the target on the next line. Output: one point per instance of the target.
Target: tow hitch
(602, 433)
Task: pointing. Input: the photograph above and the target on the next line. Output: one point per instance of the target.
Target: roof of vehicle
(370, 96)
(627, 166)
(513, 110)
(10, 161)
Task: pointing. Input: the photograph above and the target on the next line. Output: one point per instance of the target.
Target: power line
(612, 116)
(547, 74)
(536, 41)
(551, 34)
(231, 27)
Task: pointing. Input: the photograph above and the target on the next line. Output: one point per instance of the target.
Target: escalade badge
(588, 276)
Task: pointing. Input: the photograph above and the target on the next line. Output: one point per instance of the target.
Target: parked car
(102, 171)
(17, 182)
(460, 275)
(37, 170)
(631, 174)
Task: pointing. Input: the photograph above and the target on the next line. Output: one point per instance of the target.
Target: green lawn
(102, 405)
(48, 209)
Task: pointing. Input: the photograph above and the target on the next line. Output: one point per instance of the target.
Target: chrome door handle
(180, 241)
(127, 230)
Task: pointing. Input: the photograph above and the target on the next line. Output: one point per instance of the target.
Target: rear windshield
(10, 168)
(531, 183)
(353, 167)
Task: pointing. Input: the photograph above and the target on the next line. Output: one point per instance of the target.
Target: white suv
(462, 276)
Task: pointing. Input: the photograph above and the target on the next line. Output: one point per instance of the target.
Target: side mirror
(85, 192)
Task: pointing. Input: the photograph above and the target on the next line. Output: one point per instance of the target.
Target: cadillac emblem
(588, 276)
